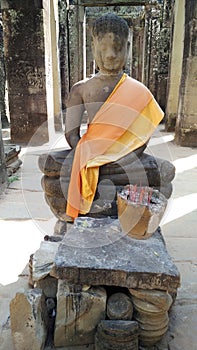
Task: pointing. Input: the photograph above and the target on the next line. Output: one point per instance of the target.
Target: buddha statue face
(110, 43)
(110, 53)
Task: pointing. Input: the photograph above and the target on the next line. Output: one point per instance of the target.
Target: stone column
(25, 69)
(151, 58)
(186, 126)
(3, 173)
(5, 123)
(75, 22)
(175, 66)
(90, 69)
(54, 26)
(137, 48)
(157, 49)
(63, 47)
(164, 49)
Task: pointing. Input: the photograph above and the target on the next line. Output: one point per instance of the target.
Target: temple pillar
(137, 48)
(158, 24)
(90, 64)
(75, 31)
(164, 50)
(3, 116)
(25, 70)
(63, 52)
(3, 172)
(54, 22)
(175, 66)
(151, 58)
(186, 126)
(53, 85)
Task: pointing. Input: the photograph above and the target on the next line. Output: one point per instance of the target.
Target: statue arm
(74, 113)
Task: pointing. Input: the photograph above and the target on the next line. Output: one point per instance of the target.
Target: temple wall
(186, 126)
(176, 65)
(25, 69)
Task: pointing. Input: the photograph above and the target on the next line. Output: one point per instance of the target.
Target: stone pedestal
(78, 314)
(145, 171)
(117, 335)
(98, 252)
(97, 280)
(25, 70)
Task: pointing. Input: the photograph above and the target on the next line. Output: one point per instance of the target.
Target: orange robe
(124, 123)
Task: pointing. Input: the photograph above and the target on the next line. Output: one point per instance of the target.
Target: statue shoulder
(137, 83)
(79, 87)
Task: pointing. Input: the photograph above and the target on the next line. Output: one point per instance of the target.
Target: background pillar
(75, 34)
(186, 126)
(3, 172)
(25, 69)
(174, 79)
(4, 120)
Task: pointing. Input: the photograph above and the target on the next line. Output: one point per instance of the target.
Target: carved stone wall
(158, 32)
(186, 127)
(25, 69)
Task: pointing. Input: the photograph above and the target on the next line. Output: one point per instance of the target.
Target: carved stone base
(145, 171)
(94, 274)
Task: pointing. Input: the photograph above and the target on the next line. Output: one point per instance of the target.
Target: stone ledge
(97, 252)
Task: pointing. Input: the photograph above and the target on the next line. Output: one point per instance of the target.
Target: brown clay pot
(140, 220)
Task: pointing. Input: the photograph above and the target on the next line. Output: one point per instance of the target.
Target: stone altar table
(97, 252)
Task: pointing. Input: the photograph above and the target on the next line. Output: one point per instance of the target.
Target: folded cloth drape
(124, 123)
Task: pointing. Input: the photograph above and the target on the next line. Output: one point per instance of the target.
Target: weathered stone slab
(28, 320)
(43, 260)
(78, 314)
(97, 252)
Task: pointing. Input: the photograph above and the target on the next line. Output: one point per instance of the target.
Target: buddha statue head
(110, 43)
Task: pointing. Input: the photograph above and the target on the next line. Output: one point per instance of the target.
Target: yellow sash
(125, 122)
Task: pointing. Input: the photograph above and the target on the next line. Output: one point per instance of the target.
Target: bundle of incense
(140, 195)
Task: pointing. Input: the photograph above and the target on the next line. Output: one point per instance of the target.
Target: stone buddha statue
(122, 115)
